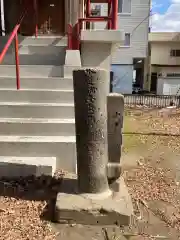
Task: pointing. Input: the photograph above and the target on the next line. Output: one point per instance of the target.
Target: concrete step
(37, 83)
(37, 55)
(63, 148)
(37, 127)
(36, 110)
(35, 59)
(43, 41)
(39, 41)
(26, 166)
(42, 50)
(37, 71)
(32, 71)
(37, 96)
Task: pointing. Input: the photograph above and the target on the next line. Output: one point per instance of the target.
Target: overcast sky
(165, 16)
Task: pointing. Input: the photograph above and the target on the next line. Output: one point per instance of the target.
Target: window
(173, 75)
(149, 49)
(124, 6)
(175, 53)
(96, 11)
(127, 40)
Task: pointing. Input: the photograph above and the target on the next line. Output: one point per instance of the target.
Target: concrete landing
(61, 147)
(83, 209)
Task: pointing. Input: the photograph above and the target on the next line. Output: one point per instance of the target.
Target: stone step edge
(36, 90)
(37, 120)
(14, 166)
(37, 104)
(37, 139)
(35, 78)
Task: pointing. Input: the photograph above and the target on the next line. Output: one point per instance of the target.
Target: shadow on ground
(31, 188)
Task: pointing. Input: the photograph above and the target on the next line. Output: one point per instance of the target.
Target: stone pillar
(115, 108)
(90, 87)
(93, 203)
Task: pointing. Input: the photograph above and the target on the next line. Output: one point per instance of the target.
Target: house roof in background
(164, 36)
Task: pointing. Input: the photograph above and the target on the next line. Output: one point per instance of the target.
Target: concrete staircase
(37, 126)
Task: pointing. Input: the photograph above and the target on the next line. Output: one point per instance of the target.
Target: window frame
(173, 53)
(124, 13)
(126, 46)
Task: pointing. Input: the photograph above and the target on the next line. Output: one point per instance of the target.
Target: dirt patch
(151, 169)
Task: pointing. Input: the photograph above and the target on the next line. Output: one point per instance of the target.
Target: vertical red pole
(36, 17)
(17, 62)
(77, 30)
(114, 14)
(109, 14)
(88, 8)
(69, 33)
(109, 24)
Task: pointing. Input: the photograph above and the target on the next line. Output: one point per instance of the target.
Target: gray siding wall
(127, 23)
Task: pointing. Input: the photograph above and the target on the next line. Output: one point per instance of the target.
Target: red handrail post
(88, 12)
(109, 26)
(114, 14)
(17, 62)
(77, 36)
(69, 35)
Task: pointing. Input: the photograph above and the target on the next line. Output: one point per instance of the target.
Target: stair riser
(32, 71)
(36, 96)
(37, 55)
(64, 152)
(27, 166)
(38, 83)
(35, 59)
(40, 41)
(29, 111)
(35, 49)
(37, 129)
(42, 50)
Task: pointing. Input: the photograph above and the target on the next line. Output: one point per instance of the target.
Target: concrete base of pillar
(72, 62)
(72, 207)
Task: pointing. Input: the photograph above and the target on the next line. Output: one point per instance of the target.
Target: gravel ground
(22, 205)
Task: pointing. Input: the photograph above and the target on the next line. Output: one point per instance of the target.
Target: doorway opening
(50, 17)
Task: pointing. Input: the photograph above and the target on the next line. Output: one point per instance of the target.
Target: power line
(149, 15)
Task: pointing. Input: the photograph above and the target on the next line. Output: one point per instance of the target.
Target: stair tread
(36, 120)
(36, 104)
(38, 139)
(36, 78)
(31, 66)
(36, 90)
(17, 158)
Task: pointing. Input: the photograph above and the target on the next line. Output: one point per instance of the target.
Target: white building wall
(137, 24)
(160, 53)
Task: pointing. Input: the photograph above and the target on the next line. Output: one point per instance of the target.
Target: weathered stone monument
(115, 106)
(88, 199)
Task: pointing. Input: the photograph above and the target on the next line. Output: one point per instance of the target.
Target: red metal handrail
(14, 36)
(74, 31)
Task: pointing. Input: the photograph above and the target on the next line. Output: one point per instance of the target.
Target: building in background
(164, 63)
(133, 19)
